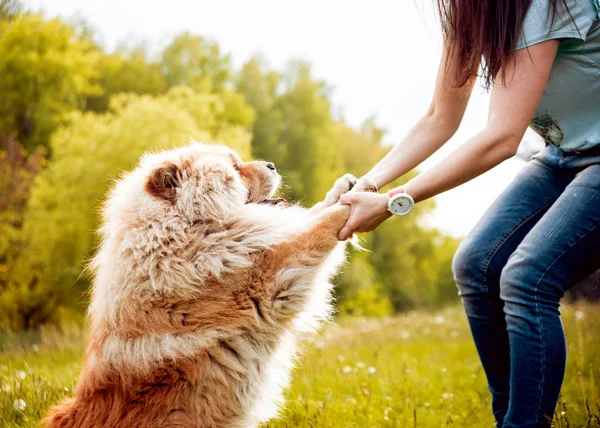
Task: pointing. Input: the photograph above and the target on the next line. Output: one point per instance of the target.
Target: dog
(203, 284)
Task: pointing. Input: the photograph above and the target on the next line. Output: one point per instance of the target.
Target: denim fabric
(539, 238)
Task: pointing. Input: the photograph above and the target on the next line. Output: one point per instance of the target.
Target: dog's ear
(163, 182)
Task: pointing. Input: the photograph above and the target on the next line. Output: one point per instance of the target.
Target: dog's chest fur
(225, 328)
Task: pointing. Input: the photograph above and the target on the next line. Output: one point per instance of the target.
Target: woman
(542, 235)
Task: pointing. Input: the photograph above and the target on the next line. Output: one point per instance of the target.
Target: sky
(380, 57)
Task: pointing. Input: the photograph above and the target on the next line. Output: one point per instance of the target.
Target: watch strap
(396, 191)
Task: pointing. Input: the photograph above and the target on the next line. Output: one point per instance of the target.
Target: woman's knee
(526, 285)
(468, 267)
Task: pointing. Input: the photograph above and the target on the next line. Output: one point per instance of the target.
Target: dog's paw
(342, 185)
(365, 185)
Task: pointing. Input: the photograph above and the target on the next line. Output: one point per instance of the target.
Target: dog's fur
(200, 293)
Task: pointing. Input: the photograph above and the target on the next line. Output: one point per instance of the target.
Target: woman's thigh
(482, 255)
(561, 249)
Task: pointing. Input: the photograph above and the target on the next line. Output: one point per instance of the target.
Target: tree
(17, 169)
(9, 9)
(129, 72)
(293, 127)
(46, 73)
(97, 113)
(195, 62)
(261, 89)
(87, 154)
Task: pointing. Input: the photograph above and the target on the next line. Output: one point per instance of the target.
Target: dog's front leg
(342, 185)
(295, 264)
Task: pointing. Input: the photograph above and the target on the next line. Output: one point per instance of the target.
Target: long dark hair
(483, 32)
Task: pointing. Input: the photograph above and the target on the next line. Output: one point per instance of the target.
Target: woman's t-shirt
(568, 114)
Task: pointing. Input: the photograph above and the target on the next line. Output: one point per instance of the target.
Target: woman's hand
(369, 210)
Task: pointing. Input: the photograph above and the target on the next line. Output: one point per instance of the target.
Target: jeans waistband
(594, 151)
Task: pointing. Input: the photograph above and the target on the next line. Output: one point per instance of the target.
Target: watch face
(401, 204)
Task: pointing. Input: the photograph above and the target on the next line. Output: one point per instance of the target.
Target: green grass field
(415, 370)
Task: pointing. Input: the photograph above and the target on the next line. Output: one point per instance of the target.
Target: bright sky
(380, 57)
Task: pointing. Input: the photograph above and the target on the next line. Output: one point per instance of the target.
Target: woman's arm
(512, 105)
(437, 126)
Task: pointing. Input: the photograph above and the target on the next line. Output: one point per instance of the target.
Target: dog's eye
(236, 166)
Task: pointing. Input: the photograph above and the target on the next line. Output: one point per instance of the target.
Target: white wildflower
(371, 370)
(35, 348)
(444, 369)
(439, 319)
(21, 374)
(19, 404)
(6, 388)
(360, 365)
(427, 404)
(579, 315)
(341, 358)
(347, 369)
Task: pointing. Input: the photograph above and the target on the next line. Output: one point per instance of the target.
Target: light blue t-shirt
(568, 114)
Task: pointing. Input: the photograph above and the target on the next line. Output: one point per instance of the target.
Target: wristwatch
(400, 203)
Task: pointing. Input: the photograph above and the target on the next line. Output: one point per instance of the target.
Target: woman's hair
(483, 32)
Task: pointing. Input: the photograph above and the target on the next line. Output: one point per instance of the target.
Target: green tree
(293, 127)
(46, 73)
(196, 62)
(261, 89)
(126, 72)
(87, 154)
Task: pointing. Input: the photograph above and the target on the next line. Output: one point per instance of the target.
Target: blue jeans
(539, 238)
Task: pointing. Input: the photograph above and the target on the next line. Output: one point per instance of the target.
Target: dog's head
(204, 182)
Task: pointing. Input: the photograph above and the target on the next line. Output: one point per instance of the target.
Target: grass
(415, 370)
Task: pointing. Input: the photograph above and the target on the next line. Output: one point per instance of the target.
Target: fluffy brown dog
(200, 293)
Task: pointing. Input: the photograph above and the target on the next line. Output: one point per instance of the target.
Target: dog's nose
(271, 166)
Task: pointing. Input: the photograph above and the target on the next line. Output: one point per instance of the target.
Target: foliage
(419, 370)
(293, 128)
(17, 169)
(97, 112)
(358, 291)
(196, 62)
(9, 9)
(125, 72)
(45, 73)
